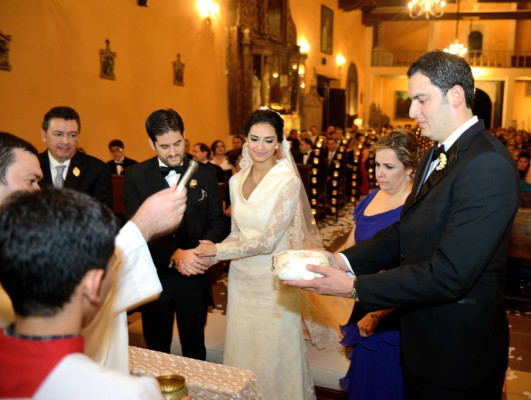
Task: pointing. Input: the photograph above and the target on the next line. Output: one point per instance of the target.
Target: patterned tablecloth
(204, 380)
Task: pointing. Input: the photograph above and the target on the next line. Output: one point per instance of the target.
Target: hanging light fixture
(456, 47)
(434, 8)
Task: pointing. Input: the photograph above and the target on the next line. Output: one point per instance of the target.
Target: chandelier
(456, 47)
(426, 8)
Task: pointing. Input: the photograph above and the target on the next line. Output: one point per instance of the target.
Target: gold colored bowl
(172, 386)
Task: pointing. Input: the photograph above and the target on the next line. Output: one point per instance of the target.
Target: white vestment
(106, 338)
(78, 377)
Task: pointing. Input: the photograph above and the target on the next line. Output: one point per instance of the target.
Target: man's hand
(161, 213)
(335, 282)
(206, 249)
(188, 263)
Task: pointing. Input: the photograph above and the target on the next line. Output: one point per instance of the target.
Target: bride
(264, 332)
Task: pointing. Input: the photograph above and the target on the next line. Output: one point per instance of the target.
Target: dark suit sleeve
(217, 228)
(102, 188)
(132, 196)
(382, 251)
(474, 234)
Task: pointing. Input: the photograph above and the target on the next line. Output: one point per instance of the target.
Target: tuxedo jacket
(202, 220)
(85, 174)
(450, 248)
(298, 157)
(127, 162)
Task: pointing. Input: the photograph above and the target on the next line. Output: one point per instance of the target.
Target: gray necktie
(58, 182)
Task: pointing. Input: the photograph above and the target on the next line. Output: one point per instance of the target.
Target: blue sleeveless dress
(375, 371)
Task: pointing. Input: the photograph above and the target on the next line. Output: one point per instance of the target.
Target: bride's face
(262, 142)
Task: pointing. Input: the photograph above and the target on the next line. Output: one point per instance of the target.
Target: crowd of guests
(73, 301)
(518, 142)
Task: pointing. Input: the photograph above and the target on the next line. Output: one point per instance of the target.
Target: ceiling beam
(374, 19)
(351, 5)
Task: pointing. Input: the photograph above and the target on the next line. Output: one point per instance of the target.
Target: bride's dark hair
(266, 116)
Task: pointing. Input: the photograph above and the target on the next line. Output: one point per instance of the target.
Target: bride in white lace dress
(264, 332)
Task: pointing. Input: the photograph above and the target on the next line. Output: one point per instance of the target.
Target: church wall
(55, 61)
(348, 39)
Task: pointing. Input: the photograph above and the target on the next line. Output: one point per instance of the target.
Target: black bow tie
(166, 170)
(437, 151)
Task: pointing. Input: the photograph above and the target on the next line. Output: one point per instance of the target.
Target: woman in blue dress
(373, 339)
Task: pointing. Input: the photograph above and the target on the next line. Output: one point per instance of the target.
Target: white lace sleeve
(277, 224)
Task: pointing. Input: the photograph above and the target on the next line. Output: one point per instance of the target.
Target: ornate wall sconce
(304, 46)
(208, 9)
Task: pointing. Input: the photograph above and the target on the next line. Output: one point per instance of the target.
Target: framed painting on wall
(402, 104)
(327, 29)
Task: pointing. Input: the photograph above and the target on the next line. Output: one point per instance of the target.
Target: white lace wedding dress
(264, 331)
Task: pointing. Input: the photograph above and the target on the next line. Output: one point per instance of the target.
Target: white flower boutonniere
(442, 162)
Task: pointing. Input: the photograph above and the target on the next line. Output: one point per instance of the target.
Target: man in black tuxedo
(305, 153)
(187, 297)
(446, 257)
(63, 165)
(119, 162)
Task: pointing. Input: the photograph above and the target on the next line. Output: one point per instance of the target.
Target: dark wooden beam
(374, 19)
(350, 5)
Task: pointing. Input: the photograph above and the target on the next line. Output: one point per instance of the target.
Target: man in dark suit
(186, 297)
(446, 257)
(119, 162)
(304, 155)
(63, 165)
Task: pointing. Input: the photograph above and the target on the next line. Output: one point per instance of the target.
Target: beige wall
(393, 85)
(55, 61)
(522, 108)
(348, 39)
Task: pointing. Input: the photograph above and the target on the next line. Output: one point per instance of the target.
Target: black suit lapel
(155, 181)
(45, 167)
(438, 174)
(420, 190)
(76, 170)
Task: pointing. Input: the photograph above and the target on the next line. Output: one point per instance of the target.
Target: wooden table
(204, 380)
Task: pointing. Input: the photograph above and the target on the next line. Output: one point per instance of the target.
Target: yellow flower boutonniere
(442, 162)
(193, 183)
(76, 172)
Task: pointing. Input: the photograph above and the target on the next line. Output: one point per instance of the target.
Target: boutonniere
(193, 183)
(442, 162)
(76, 172)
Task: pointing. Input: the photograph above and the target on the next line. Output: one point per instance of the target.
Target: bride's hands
(206, 249)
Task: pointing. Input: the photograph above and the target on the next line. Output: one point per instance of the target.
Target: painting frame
(327, 30)
(402, 104)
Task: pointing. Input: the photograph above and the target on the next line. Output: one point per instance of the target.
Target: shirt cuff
(351, 274)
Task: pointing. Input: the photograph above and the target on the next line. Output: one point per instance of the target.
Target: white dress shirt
(173, 177)
(54, 163)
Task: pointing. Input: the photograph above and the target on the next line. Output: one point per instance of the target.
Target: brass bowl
(172, 386)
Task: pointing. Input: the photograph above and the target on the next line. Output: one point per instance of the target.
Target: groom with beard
(183, 296)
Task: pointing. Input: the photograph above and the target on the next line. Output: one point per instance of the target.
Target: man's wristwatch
(374, 316)
(354, 292)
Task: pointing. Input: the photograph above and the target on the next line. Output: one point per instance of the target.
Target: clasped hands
(195, 261)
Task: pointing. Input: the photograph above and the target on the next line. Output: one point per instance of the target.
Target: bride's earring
(276, 147)
(408, 178)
